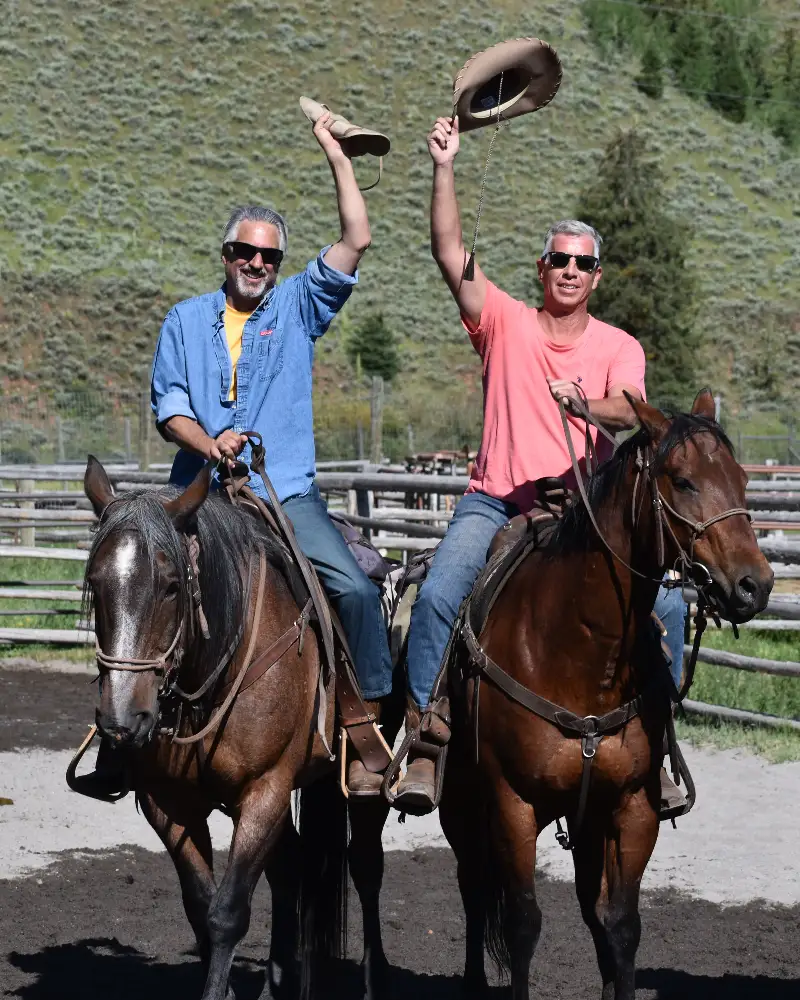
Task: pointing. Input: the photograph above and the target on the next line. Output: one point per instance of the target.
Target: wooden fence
(402, 512)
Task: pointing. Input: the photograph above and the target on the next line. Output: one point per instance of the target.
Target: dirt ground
(110, 924)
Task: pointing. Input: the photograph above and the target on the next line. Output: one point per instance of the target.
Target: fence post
(127, 431)
(376, 420)
(410, 431)
(144, 433)
(360, 438)
(60, 456)
(364, 508)
(27, 536)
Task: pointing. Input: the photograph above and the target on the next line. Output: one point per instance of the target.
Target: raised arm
(345, 254)
(447, 242)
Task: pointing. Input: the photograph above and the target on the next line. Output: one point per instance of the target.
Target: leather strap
(270, 656)
(354, 715)
(223, 710)
(583, 726)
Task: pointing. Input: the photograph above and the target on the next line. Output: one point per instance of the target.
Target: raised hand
(443, 141)
(330, 145)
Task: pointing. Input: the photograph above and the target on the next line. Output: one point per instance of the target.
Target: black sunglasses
(584, 261)
(237, 250)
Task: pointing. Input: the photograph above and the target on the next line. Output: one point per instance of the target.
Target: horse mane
(575, 532)
(228, 538)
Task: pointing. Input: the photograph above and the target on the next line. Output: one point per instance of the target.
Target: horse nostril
(747, 588)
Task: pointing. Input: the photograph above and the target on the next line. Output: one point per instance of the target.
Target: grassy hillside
(130, 129)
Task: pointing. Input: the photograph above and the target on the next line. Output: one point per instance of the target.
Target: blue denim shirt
(192, 373)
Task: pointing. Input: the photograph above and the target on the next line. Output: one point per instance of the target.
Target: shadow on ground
(111, 927)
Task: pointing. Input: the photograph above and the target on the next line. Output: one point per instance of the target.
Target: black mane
(575, 532)
(228, 537)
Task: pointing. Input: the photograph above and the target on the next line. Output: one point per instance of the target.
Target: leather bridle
(685, 564)
(167, 664)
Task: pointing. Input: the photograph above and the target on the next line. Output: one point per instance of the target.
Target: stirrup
(94, 785)
(343, 768)
(437, 752)
(683, 805)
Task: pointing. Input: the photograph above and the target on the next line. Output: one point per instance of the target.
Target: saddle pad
(501, 567)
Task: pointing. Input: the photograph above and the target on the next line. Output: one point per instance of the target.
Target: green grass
(14, 570)
(776, 745)
(753, 692)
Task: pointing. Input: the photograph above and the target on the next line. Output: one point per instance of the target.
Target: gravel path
(739, 843)
(90, 907)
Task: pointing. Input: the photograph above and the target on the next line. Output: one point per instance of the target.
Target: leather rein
(591, 729)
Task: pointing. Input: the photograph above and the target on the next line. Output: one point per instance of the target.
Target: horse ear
(97, 486)
(651, 419)
(704, 405)
(183, 508)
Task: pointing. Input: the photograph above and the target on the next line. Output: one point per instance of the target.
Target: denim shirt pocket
(270, 353)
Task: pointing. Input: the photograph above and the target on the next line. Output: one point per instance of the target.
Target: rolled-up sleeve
(628, 366)
(169, 388)
(322, 291)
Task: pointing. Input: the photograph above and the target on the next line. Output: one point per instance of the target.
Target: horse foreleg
(262, 814)
(463, 819)
(184, 832)
(609, 864)
(365, 859)
(283, 874)
(515, 922)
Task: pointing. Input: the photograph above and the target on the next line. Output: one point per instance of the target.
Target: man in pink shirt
(531, 358)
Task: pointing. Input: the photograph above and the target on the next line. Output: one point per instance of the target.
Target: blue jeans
(671, 609)
(460, 557)
(355, 598)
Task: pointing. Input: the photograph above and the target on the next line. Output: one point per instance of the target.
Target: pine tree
(690, 56)
(786, 113)
(372, 348)
(651, 75)
(729, 90)
(646, 288)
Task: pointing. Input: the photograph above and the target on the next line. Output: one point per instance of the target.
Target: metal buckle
(589, 740)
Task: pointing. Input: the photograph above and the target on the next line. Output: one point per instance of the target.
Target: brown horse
(573, 626)
(165, 568)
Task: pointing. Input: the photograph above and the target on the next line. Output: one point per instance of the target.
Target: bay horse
(573, 626)
(187, 589)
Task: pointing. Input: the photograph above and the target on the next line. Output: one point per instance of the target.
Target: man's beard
(252, 292)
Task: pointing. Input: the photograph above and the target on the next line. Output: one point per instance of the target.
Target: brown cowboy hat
(505, 81)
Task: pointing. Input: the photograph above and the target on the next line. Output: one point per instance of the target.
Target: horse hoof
(474, 988)
(376, 980)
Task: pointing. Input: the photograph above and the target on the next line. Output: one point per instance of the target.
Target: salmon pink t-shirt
(523, 438)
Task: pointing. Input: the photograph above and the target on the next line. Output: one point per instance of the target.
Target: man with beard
(241, 359)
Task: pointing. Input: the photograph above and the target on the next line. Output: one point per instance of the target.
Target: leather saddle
(514, 542)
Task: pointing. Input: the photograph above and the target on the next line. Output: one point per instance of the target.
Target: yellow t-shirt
(234, 326)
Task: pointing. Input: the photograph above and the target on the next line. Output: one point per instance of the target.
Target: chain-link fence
(38, 429)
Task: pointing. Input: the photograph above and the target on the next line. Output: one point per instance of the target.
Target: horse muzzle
(742, 599)
(132, 732)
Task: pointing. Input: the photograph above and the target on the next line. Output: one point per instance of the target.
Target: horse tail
(497, 918)
(323, 877)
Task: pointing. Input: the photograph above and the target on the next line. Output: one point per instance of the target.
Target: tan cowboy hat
(356, 141)
(507, 80)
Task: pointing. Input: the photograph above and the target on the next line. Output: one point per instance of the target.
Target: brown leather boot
(360, 781)
(416, 791)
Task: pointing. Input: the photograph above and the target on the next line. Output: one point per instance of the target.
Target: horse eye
(172, 589)
(684, 485)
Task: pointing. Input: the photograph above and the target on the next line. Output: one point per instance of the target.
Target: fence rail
(402, 511)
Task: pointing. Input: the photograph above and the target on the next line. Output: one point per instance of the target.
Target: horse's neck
(588, 613)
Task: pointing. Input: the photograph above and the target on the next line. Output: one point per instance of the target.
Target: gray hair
(572, 227)
(255, 213)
